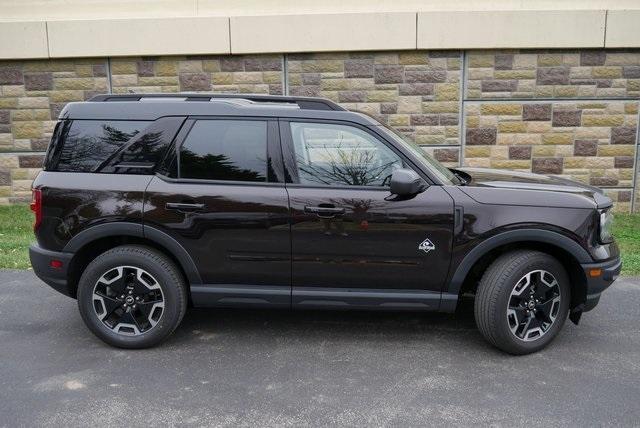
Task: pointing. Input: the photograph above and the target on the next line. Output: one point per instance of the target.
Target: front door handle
(184, 207)
(324, 212)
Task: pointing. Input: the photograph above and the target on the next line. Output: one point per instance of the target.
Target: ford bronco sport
(150, 203)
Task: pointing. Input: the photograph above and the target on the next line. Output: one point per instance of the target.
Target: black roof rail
(306, 103)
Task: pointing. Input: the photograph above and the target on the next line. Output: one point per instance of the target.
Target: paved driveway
(265, 368)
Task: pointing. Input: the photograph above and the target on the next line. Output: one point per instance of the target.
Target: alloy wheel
(128, 300)
(533, 306)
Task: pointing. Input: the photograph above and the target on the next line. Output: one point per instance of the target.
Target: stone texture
(566, 118)
(553, 138)
(585, 148)
(38, 82)
(30, 161)
(389, 74)
(575, 73)
(536, 112)
(417, 92)
(358, 68)
(520, 152)
(592, 57)
(481, 136)
(623, 135)
(231, 74)
(547, 166)
(552, 76)
(193, 82)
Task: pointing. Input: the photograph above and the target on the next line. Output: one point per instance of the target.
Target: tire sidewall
(504, 334)
(172, 299)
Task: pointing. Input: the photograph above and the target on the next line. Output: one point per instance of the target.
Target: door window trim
(290, 163)
(171, 164)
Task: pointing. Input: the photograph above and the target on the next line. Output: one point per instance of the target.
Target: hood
(542, 188)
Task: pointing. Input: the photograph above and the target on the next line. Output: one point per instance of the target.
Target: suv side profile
(148, 204)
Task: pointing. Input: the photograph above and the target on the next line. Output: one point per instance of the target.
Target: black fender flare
(530, 235)
(139, 231)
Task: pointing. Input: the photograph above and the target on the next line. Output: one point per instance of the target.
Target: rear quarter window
(89, 143)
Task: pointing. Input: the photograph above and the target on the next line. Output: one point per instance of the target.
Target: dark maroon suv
(148, 204)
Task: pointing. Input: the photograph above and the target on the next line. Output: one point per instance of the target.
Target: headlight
(606, 224)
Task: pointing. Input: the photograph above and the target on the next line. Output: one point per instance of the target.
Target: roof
(154, 106)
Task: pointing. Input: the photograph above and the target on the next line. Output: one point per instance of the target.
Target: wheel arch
(568, 252)
(97, 239)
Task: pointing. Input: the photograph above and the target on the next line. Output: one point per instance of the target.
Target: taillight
(36, 206)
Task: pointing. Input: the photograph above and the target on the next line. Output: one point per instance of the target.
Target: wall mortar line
(109, 82)
(285, 74)
(636, 163)
(547, 100)
(461, 119)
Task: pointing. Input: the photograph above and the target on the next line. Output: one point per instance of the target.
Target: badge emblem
(426, 246)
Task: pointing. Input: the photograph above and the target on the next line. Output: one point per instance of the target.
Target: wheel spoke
(110, 304)
(532, 303)
(128, 300)
(128, 318)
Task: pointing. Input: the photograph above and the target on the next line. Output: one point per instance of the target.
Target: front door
(353, 244)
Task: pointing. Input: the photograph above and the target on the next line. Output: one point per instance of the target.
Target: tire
(504, 297)
(132, 297)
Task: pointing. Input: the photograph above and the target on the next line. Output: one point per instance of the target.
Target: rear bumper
(56, 278)
(610, 271)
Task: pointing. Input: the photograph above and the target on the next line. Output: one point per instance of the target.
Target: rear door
(353, 243)
(222, 197)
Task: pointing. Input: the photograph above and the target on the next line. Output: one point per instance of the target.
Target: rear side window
(89, 143)
(230, 150)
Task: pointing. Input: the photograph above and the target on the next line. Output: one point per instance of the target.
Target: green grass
(626, 230)
(16, 235)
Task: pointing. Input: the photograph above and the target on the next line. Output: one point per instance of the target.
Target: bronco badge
(426, 246)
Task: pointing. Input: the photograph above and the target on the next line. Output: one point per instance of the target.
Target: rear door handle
(325, 212)
(183, 207)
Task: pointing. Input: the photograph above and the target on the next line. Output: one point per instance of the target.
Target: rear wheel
(132, 297)
(522, 301)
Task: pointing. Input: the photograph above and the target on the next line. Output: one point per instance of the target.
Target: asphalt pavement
(282, 368)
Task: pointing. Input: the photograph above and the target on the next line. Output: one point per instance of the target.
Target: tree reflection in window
(89, 143)
(333, 154)
(215, 167)
(234, 150)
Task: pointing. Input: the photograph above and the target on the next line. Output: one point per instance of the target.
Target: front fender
(450, 296)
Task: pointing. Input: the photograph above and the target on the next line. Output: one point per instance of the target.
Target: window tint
(89, 143)
(334, 154)
(225, 150)
(147, 148)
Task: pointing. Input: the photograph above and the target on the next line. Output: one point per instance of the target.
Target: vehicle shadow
(319, 325)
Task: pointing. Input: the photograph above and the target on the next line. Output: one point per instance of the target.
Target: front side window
(341, 155)
(232, 150)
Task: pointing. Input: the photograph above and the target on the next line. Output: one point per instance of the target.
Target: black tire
(127, 261)
(494, 298)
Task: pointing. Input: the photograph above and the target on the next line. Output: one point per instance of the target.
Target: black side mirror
(406, 182)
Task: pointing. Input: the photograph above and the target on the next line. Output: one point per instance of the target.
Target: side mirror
(406, 182)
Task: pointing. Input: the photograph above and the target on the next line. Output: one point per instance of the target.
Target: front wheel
(522, 301)
(132, 296)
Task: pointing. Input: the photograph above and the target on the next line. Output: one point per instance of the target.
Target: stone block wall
(260, 74)
(417, 92)
(572, 113)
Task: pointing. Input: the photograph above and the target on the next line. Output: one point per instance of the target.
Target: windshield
(434, 166)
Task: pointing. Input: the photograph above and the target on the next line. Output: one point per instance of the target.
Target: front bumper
(610, 271)
(56, 278)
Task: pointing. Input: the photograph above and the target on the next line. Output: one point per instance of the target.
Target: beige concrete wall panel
(510, 29)
(123, 37)
(340, 32)
(23, 40)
